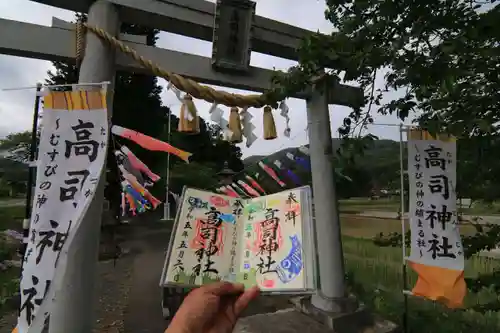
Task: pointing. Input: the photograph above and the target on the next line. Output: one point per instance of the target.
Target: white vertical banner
(435, 235)
(71, 156)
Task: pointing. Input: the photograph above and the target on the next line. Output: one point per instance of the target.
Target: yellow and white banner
(71, 157)
(436, 247)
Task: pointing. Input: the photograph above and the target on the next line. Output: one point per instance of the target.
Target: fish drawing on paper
(290, 267)
(229, 218)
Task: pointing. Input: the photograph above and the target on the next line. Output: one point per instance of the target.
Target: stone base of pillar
(347, 304)
(352, 317)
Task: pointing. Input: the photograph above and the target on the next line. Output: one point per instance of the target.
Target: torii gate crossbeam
(195, 18)
(57, 43)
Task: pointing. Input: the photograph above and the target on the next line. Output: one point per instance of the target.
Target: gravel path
(144, 312)
(113, 283)
(113, 286)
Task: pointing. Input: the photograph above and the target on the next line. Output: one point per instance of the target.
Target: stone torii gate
(193, 18)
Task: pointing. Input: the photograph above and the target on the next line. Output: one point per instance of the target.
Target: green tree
(14, 154)
(442, 54)
(13, 140)
(16, 146)
(444, 59)
(196, 175)
(478, 170)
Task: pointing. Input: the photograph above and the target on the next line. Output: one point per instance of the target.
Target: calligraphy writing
(237, 208)
(268, 241)
(442, 216)
(83, 145)
(440, 248)
(434, 158)
(419, 212)
(179, 265)
(439, 184)
(50, 239)
(68, 193)
(31, 301)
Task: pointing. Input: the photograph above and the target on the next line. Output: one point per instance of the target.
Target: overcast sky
(16, 106)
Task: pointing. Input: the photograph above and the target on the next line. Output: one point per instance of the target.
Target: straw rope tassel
(235, 126)
(269, 124)
(189, 86)
(189, 122)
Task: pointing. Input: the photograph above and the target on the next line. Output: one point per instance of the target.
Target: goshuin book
(265, 241)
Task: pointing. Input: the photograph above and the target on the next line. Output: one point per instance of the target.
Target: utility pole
(31, 170)
(332, 289)
(73, 303)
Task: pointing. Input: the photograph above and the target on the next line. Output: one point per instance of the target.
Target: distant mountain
(277, 155)
(381, 150)
(377, 168)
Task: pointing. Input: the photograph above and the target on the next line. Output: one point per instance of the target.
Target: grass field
(356, 205)
(378, 281)
(11, 218)
(365, 204)
(366, 227)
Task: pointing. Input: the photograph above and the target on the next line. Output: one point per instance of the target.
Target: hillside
(377, 168)
(381, 151)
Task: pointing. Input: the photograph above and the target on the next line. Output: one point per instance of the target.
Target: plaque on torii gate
(233, 23)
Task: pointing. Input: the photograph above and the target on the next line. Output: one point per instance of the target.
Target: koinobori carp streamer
(272, 174)
(149, 143)
(248, 188)
(231, 192)
(288, 172)
(139, 188)
(138, 164)
(122, 159)
(241, 192)
(305, 163)
(254, 183)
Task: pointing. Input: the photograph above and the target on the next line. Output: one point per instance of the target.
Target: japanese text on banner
(435, 236)
(71, 157)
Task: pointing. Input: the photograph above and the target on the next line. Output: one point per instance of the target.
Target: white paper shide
(435, 236)
(71, 157)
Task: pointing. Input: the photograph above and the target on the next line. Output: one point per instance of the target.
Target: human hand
(212, 308)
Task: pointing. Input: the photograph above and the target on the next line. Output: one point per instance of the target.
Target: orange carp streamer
(131, 203)
(149, 143)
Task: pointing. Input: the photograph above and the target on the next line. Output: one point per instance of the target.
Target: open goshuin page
(265, 241)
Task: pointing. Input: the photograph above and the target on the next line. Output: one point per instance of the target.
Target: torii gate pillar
(73, 304)
(332, 292)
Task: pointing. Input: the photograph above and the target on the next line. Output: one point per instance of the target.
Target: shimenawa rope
(187, 85)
